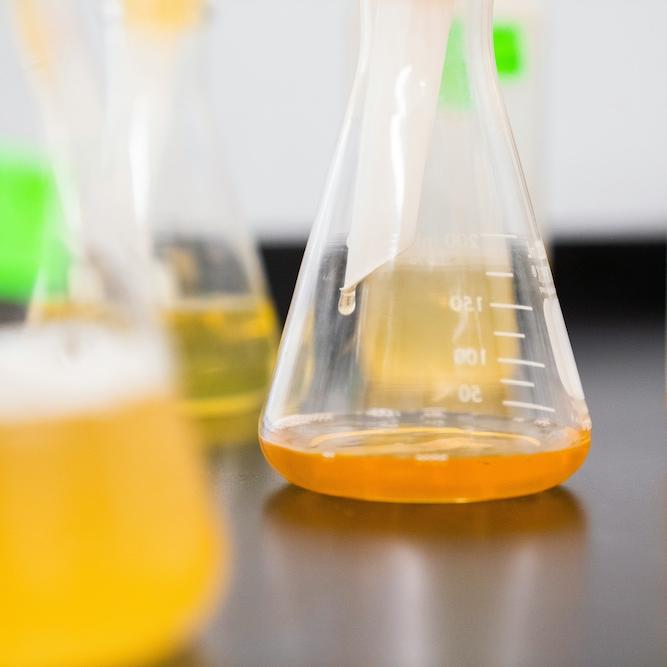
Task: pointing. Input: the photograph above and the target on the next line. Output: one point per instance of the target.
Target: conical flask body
(206, 266)
(425, 358)
(112, 553)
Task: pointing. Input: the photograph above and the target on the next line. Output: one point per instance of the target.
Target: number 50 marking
(470, 393)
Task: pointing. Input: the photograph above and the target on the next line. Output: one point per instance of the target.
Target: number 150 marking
(466, 304)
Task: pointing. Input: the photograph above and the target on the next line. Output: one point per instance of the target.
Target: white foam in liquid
(60, 369)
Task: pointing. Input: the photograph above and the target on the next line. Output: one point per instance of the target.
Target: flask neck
(137, 57)
(412, 31)
(160, 18)
(156, 95)
(153, 81)
(395, 101)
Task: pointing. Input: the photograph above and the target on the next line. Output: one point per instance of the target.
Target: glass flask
(210, 282)
(110, 550)
(425, 357)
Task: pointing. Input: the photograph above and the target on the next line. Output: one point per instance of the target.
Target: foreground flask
(210, 281)
(425, 358)
(110, 549)
(110, 552)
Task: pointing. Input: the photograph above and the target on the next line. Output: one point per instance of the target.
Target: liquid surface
(422, 464)
(109, 550)
(226, 349)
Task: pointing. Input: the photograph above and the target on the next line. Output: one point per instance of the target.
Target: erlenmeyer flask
(110, 550)
(425, 356)
(109, 546)
(211, 284)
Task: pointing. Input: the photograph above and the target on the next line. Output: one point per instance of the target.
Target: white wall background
(280, 79)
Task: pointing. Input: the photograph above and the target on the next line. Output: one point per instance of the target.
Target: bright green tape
(28, 220)
(508, 45)
(510, 53)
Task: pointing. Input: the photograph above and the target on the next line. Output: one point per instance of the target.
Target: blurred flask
(210, 281)
(110, 549)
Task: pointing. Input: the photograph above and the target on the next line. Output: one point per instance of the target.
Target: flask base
(427, 465)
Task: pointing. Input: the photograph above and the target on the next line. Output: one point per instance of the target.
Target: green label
(28, 219)
(509, 50)
(508, 45)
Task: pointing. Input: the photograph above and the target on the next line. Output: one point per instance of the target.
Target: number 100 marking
(470, 356)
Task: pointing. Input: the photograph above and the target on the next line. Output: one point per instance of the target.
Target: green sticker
(510, 61)
(508, 47)
(29, 217)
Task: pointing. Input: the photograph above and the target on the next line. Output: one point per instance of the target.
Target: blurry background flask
(111, 552)
(211, 284)
(425, 357)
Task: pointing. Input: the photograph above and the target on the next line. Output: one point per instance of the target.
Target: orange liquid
(423, 465)
(109, 549)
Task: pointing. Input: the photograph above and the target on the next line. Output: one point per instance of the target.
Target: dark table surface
(575, 576)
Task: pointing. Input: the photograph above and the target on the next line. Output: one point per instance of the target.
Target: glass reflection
(490, 583)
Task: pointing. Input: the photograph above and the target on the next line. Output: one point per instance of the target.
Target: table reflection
(485, 583)
(193, 658)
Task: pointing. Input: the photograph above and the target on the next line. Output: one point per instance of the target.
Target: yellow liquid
(226, 349)
(109, 552)
(427, 337)
(426, 465)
